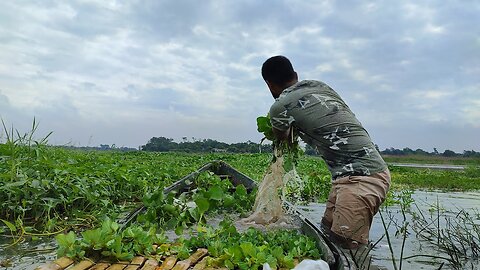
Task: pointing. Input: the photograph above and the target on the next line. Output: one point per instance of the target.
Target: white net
(292, 187)
(271, 193)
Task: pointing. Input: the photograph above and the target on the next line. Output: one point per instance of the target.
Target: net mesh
(272, 191)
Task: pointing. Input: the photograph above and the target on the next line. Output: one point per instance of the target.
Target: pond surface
(30, 254)
(26, 255)
(450, 204)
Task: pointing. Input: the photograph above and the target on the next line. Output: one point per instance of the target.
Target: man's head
(278, 73)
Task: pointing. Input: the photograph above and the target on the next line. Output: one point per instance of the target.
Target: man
(360, 177)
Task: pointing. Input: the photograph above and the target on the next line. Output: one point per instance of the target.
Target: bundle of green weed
(211, 194)
(289, 149)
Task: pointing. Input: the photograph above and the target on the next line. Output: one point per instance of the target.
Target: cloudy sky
(121, 72)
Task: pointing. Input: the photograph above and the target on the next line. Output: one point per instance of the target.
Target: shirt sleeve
(279, 117)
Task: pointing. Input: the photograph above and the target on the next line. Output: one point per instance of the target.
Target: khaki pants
(352, 203)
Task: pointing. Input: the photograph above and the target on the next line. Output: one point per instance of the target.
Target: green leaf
(194, 212)
(124, 256)
(169, 208)
(171, 223)
(202, 205)
(248, 249)
(15, 184)
(277, 252)
(93, 238)
(179, 230)
(261, 257)
(114, 226)
(288, 164)
(35, 183)
(288, 262)
(215, 193)
(65, 239)
(272, 261)
(236, 253)
(229, 264)
(10, 225)
(241, 191)
(67, 245)
(264, 126)
(228, 200)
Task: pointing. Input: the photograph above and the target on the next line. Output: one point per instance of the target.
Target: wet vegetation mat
(76, 195)
(186, 213)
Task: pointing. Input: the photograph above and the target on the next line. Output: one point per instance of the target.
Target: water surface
(426, 202)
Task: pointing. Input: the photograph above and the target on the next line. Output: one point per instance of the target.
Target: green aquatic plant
(252, 248)
(107, 241)
(211, 194)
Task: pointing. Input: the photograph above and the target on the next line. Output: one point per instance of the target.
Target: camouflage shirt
(325, 122)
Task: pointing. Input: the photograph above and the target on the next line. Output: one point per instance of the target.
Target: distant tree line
(447, 153)
(102, 147)
(162, 144)
(409, 152)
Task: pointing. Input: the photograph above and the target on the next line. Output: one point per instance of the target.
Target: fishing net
(268, 207)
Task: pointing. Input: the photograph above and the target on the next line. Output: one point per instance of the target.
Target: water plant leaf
(248, 249)
(264, 126)
(67, 245)
(202, 204)
(215, 193)
(228, 200)
(16, 183)
(10, 225)
(241, 191)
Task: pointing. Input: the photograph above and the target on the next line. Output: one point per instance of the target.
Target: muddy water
(26, 255)
(450, 204)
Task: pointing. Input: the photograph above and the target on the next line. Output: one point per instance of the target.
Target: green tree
(160, 144)
(449, 153)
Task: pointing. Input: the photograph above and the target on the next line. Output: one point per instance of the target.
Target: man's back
(326, 122)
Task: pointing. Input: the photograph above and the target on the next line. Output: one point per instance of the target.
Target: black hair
(278, 70)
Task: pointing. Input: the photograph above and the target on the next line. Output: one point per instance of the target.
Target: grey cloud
(198, 63)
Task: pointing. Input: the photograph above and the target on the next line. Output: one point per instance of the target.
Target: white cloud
(472, 113)
(417, 11)
(326, 67)
(108, 4)
(434, 29)
(431, 94)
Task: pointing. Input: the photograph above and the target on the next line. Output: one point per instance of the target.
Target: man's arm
(281, 122)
